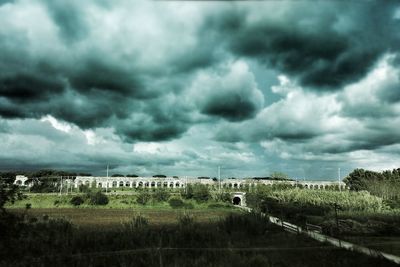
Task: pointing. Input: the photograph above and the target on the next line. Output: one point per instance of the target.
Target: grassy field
(106, 217)
(120, 209)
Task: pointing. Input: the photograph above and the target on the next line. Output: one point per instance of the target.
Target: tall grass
(237, 240)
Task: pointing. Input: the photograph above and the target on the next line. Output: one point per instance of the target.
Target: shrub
(187, 193)
(223, 197)
(77, 200)
(161, 195)
(143, 198)
(98, 198)
(201, 193)
(176, 203)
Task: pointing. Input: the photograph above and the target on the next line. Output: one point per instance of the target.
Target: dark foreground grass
(235, 240)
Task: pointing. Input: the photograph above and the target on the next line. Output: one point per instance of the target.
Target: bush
(143, 198)
(223, 197)
(161, 195)
(176, 203)
(97, 198)
(201, 193)
(77, 200)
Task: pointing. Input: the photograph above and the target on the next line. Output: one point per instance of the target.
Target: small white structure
(21, 180)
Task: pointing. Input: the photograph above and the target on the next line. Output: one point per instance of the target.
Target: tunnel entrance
(236, 201)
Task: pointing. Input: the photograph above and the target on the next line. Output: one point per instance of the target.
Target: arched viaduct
(173, 182)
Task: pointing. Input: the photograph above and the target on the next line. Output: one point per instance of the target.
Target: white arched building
(174, 182)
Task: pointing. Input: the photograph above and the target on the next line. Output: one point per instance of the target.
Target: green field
(106, 217)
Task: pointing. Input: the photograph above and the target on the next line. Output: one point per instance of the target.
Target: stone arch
(140, 184)
(100, 185)
(121, 183)
(235, 185)
(114, 184)
(153, 184)
(177, 184)
(127, 184)
(238, 198)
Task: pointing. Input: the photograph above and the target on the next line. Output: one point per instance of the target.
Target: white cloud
(57, 124)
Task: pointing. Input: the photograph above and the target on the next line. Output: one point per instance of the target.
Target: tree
(159, 176)
(279, 176)
(9, 193)
(201, 193)
(132, 175)
(117, 175)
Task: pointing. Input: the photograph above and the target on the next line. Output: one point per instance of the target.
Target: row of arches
(131, 184)
(180, 184)
(305, 186)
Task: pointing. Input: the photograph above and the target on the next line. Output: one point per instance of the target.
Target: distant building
(22, 180)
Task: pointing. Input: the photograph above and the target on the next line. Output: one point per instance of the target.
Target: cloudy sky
(180, 87)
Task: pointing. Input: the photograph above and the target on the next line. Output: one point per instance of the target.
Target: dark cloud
(96, 75)
(325, 46)
(231, 107)
(151, 131)
(24, 87)
(69, 18)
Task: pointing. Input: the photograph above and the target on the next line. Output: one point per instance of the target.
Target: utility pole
(61, 184)
(219, 178)
(107, 170)
(186, 184)
(339, 179)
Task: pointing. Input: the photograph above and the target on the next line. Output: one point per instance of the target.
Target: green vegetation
(236, 240)
(347, 200)
(77, 200)
(385, 184)
(97, 198)
(198, 192)
(143, 197)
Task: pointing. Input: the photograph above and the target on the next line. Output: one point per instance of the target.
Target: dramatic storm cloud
(181, 87)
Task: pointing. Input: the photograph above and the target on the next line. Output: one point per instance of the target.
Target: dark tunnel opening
(236, 201)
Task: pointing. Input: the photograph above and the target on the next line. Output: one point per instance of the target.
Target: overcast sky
(179, 87)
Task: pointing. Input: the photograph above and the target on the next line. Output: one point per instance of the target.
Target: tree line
(385, 184)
